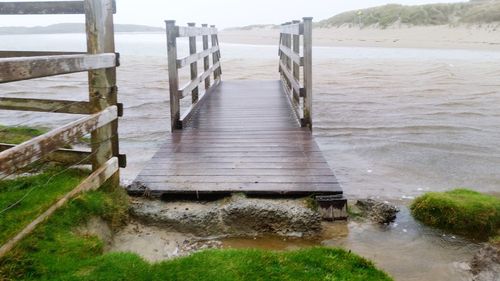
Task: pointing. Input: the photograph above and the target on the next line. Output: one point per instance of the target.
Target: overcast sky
(223, 13)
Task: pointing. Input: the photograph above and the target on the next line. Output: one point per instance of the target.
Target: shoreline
(421, 37)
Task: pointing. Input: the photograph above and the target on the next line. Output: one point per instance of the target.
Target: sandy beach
(486, 37)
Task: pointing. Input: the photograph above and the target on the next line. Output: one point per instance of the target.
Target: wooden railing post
(216, 55)
(194, 65)
(308, 95)
(102, 83)
(173, 75)
(206, 60)
(296, 66)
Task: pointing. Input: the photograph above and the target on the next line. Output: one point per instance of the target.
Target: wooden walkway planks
(244, 138)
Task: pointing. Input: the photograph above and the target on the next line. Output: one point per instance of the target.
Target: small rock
(485, 265)
(379, 212)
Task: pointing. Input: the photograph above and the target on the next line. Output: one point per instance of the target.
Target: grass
(495, 241)
(431, 14)
(460, 211)
(17, 135)
(43, 190)
(20, 134)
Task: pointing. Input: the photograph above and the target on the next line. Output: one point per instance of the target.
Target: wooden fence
(102, 109)
(192, 88)
(290, 64)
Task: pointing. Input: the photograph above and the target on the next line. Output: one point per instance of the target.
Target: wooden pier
(251, 137)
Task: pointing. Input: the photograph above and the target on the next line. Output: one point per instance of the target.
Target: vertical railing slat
(296, 67)
(206, 60)
(173, 75)
(308, 97)
(194, 65)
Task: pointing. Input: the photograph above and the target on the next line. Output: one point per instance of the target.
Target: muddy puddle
(407, 250)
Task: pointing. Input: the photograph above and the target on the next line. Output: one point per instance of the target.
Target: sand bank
(443, 37)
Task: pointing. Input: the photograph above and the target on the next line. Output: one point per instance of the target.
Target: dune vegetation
(460, 211)
(475, 12)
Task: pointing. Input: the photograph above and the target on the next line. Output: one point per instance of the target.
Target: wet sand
(486, 37)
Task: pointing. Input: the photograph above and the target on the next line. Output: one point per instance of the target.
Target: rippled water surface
(392, 123)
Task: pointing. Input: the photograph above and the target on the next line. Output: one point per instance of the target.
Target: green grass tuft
(459, 211)
(495, 241)
(17, 135)
(40, 192)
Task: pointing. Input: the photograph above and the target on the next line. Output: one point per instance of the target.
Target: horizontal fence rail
(24, 68)
(178, 120)
(291, 61)
(102, 109)
(44, 8)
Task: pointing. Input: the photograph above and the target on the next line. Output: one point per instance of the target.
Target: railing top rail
(44, 8)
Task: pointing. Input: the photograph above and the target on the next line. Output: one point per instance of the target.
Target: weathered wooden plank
(187, 31)
(93, 182)
(24, 68)
(206, 59)
(182, 62)
(187, 115)
(193, 66)
(289, 77)
(195, 171)
(41, 8)
(63, 156)
(33, 150)
(292, 55)
(238, 179)
(183, 31)
(99, 25)
(39, 105)
(296, 65)
(216, 56)
(173, 76)
(196, 81)
(294, 29)
(235, 165)
(14, 54)
(308, 95)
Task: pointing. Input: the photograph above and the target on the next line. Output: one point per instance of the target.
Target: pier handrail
(291, 60)
(103, 110)
(178, 120)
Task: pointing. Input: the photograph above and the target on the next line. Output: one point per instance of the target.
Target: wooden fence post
(206, 60)
(296, 67)
(194, 65)
(102, 83)
(308, 97)
(173, 75)
(216, 55)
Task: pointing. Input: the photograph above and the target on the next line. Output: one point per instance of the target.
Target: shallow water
(407, 250)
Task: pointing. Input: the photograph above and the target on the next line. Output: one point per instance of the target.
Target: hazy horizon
(218, 12)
